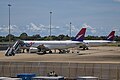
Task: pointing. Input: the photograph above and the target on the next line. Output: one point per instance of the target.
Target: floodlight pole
(50, 23)
(9, 5)
(70, 30)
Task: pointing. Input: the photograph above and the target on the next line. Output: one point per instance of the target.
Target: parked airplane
(109, 39)
(62, 46)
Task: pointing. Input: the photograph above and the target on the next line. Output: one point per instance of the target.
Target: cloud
(88, 26)
(40, 27)
(43, 30)
(34, 27)
(73, 28)
(3, 28)
(14, 29)
(117, 30)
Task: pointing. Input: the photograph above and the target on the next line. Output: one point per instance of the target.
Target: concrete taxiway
(103, 54)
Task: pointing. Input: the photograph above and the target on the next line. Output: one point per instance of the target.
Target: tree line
(25, 36)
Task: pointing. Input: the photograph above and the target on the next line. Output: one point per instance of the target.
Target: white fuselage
(55, 44)
(97, 42)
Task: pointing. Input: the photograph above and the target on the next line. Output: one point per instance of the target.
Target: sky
(100, 17)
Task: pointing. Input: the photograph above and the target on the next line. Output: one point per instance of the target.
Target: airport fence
(105, 71)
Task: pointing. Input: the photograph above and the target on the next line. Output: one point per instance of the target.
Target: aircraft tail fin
(111, 36)
(80, 36)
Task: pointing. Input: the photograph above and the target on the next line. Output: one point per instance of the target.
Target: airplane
(109, 39)
(62, 46)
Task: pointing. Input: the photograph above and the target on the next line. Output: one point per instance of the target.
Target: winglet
(80, 36)
(111, 36)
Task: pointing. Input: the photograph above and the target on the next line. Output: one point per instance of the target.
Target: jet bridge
(13, 49)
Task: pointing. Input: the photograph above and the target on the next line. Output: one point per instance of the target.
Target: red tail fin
(80, 36)
(111, 36)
